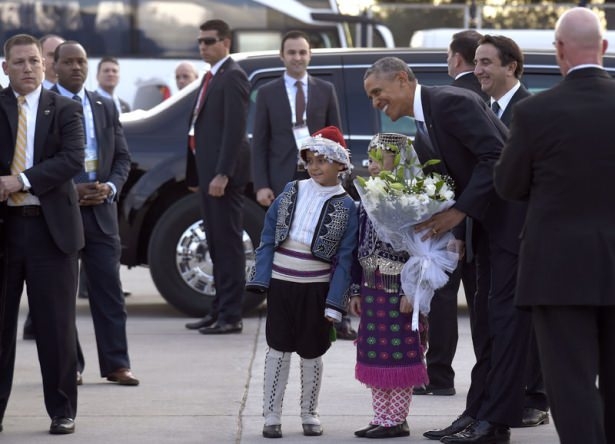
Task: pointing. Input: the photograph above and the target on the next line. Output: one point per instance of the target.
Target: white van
(527, 39)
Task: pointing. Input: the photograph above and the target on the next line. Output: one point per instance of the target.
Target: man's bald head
(578, 39)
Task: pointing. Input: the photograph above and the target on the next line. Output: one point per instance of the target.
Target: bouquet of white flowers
(401, 197)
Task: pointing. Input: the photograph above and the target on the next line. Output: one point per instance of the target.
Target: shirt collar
(461, 74)
(104, 93)
(214, 69)
(505, 99)
(69, 94)
(585, 65)
(290, 81)
(418, 104)
(32, 98)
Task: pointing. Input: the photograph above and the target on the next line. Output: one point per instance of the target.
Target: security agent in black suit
(42, 226)
(499, 66)
(443, 334)
(107, 162)
(464, 133)
(218, 168)
(559, 158)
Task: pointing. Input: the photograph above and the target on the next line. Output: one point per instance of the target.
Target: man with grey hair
(185, 74)
(457, 127)
(559, 158)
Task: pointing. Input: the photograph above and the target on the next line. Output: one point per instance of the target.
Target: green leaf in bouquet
(361, 181)
(430, 162)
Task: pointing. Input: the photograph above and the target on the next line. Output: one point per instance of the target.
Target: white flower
(376, 185)
(430, 188)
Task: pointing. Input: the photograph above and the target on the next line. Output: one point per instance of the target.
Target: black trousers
(223, 218)
(577, 344)
(50, 275)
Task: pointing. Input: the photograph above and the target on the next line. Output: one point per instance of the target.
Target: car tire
(179, 259)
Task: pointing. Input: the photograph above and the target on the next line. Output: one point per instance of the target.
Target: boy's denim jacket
(334, 241)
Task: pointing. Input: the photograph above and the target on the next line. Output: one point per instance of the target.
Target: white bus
(149, 37)
(527, 39)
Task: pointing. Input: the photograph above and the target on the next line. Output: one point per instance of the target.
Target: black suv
(160, 221)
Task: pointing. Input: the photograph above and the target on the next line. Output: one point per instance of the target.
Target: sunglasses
(208, 41)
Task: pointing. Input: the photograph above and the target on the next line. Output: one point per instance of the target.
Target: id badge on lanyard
(301, 133)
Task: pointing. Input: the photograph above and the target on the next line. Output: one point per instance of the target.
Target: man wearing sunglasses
(218, 168)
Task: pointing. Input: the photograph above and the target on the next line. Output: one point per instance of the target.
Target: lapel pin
(46, 112)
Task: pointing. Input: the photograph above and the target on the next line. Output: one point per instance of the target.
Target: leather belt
(25, 210)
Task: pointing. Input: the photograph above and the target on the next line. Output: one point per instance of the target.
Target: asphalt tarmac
(207, 389)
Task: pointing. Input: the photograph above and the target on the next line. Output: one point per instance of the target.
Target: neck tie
(19, 154)
(495, 106)
(197, 108)
(299, 103)
(78, 99)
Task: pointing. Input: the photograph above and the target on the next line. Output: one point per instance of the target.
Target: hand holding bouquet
(399, 197)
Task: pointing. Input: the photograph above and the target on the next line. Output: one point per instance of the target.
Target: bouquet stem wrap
(426, 269)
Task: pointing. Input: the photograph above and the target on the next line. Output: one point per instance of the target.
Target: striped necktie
(19, 155)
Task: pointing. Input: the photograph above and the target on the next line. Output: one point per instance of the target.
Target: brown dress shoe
(123, 376)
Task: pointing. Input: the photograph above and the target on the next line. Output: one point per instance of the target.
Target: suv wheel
(179, 260)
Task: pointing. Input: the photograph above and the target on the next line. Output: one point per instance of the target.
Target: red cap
(332, 133)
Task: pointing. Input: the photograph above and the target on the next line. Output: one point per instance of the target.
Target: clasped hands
(92, 193)
(9, 185)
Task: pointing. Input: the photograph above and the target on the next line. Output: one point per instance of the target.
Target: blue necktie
(82, 177)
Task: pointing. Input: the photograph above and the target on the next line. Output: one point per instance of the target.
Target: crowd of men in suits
(551, 152)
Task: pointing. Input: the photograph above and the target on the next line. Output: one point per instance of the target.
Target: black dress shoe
(312, 429)
(534, 417)
(222, 328)
(272, 431)
(457, 426)
(61, 425)
(480, 432)
(207, 321)
(361, 432)
(431, 390)
(389, 432)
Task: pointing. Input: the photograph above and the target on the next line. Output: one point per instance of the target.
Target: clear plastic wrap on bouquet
(393, 215)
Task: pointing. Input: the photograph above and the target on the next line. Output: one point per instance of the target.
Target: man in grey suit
(107, 162)
(559, 158)
(276, 123)
(280, 124)
(499, 66)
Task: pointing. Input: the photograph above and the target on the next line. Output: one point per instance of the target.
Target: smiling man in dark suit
(443, 337)
(280, 124)
(43, 137)
(456, 126)
(218, 168)
(499, 67)
(560, 159)
(107, 163)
